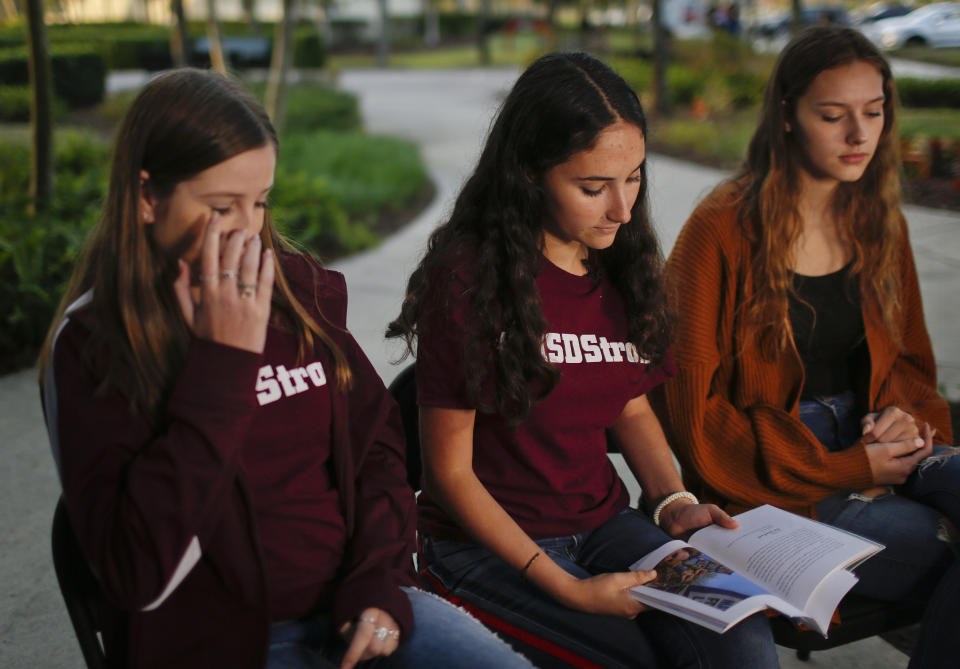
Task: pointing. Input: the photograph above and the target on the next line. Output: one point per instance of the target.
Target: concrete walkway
(447, 113)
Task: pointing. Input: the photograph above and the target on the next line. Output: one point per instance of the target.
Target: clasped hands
(895, 444)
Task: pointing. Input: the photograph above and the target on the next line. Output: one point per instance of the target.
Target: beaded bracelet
(670, 499)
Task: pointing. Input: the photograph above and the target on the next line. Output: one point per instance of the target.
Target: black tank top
(828, 332)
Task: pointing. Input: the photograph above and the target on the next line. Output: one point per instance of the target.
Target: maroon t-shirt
(551, 473)
(285, 458)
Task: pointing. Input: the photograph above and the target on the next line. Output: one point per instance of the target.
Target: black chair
(860, 618)
(80, 590)
(404, 391)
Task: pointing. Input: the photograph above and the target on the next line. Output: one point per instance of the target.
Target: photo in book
(775, 559)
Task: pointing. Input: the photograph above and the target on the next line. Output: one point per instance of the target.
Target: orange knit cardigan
(732, 417)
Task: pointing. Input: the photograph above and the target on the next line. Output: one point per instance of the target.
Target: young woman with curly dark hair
(539, 322)
(806, 376)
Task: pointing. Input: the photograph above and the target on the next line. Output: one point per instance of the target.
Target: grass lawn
(942, 123)
(722, 140)
(519, 50)
(942, 56)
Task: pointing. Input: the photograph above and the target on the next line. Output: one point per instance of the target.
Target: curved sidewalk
(447, 113)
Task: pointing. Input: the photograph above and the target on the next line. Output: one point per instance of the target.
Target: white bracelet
(670, 499)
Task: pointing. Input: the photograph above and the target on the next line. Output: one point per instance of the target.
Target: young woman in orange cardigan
(806, 378)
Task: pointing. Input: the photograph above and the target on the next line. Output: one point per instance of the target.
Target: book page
(696, 583)
(787, 554)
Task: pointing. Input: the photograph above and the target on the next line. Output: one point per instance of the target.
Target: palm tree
(41, 103)
(179, 40)
(661, 46)
(383, 41)
(483, 32)
(275, 99)
(215, 48)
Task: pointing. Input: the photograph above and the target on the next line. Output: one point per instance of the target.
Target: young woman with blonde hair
(806, 377)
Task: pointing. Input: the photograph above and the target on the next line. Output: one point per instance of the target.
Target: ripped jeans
(920, 559)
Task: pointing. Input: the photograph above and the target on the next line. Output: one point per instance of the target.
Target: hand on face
(232, 305)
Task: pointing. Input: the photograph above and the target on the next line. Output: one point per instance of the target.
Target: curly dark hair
(556, 109)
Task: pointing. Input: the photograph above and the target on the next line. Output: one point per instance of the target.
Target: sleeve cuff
(216, 376)
(373, 593)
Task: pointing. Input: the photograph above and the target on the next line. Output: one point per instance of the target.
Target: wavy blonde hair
(868, 209)
(180, 124)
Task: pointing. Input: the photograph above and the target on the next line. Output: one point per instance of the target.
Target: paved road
(447, 113)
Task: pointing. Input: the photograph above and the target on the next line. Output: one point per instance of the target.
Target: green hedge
(37, 252)
(79, 73)
(15, 105)
(140, 46)
(922, 93)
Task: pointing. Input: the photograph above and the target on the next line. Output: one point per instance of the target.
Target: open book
(775, 559)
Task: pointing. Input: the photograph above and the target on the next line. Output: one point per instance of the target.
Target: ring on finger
(247, 290)
(228, 273)
(394, 634)
(368, 619)
(381, 633)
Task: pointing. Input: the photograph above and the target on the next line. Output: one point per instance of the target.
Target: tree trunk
(250, 15)
(275, 102)
(326, 25)
(431, 23)
(661, 48)
(383, 40)
(179, 39)
(8, 9)
(483, 32)
(41, 104)
(217, 61)
(796, 22)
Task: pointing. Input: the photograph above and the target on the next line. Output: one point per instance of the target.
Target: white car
(933, 25)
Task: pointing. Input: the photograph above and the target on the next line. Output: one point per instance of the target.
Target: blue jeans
(443, 636)
(655, 639)
(919, 561)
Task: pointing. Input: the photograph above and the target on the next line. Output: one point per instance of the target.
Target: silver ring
(203, 278)
(368, 619)
(395, 634)
(228, 273)
(381, 633)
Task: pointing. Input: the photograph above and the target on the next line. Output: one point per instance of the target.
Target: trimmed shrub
(929, 92)
(311, 108)
(37, 252)
(79, 73)
(308, 47)
(685, 83)
(15, 104)
(305, 209)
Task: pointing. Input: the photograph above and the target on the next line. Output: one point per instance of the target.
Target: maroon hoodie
(163, 509)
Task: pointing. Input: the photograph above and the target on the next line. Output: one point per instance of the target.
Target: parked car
(779, 25)
(936, 25)
(880, 11)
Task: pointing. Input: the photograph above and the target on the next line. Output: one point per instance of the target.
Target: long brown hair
(868, 210)
(556, 108)
(180, 124)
